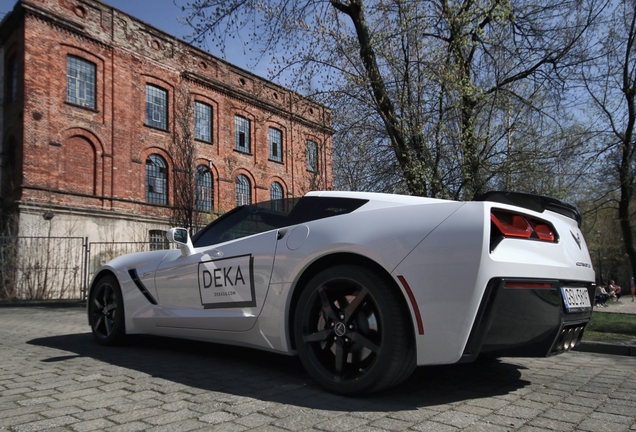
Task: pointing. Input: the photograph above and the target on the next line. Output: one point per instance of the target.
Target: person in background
(633, 287)
(614, 290)
(600, 296)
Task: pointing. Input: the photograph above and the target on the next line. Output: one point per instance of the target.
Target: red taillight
(528, 285)
(544, 232)
(512, 225)
(520, 226)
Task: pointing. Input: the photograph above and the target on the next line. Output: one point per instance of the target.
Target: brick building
(93, 103)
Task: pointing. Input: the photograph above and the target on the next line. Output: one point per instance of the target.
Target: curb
(43, 303)
(607, 348)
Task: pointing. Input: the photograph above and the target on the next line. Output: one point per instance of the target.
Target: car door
(219, 287)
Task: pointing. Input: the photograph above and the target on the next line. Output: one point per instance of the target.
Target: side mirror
(180, 237)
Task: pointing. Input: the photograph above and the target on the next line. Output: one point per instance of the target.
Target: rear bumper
(525, 321)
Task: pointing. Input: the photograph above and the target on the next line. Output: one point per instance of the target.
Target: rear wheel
(351, 331)
(106, 311)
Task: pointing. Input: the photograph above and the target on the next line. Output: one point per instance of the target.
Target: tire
(106, 311)
(351, 332)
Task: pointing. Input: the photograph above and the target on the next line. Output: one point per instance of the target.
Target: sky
(163, 14)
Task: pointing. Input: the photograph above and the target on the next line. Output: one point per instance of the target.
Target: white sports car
(364, 287)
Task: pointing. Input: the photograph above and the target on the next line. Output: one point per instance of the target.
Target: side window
(275, 145)
(312, 156)
(156, 180)
(265, 216)
(158, 240)
(204, 189)
(313, 208)
(80, 82)
(203, 122)
(242, 134)
(245, 221)
(156, 107)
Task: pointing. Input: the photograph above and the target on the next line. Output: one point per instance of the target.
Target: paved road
(53, 376)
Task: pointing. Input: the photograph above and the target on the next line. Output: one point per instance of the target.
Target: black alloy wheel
(351, 332)
(106, 311)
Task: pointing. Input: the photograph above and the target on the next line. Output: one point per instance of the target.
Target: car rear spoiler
(532, 202)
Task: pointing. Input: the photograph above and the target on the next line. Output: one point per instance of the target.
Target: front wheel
(106, 311)
(351, 331)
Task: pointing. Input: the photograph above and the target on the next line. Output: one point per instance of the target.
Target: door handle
(281, 233)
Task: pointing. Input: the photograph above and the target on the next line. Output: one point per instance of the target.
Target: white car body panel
(440, 248)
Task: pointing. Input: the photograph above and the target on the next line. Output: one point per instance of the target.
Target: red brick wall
(96, 158)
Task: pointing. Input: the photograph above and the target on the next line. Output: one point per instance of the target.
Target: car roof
(377, 197)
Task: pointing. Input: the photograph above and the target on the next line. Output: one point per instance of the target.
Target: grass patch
(611, 327)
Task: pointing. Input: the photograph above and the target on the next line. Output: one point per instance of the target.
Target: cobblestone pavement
(54, 377)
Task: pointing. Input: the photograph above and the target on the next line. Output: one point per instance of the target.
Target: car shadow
(278, 378)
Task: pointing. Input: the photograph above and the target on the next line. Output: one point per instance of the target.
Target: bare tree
(447, 80)
(611, 83)
(183, 151)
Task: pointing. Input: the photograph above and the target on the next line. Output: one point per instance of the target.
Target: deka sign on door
(227, 282)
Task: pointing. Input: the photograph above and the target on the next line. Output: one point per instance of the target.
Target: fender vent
(140, 285)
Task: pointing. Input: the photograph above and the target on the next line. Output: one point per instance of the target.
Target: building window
(243, 187)
(158, 240)
(203, 122)
(242, 128)
(312, 156)
(203, 179)
(156, 107)
(156, 180)
(80, 82)
(275, 145)
(11, 81)
(276, 191)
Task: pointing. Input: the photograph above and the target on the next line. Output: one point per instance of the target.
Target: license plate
(576, 299)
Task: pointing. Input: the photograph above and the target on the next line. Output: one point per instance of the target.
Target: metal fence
(42, 267)
(57, 267)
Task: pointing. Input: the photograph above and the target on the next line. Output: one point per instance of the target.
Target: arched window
(275, 191)
(243, 187)
(156, 180)
(203, 179)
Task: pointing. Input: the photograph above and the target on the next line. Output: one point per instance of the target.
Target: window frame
(242, 134)
(157, 240)
(153, 197)
(311, 154)
(197, 121)
(152, 92)
(207, 188)
(243, 182)
(280, 193)
(273, 145)
(77, 83)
